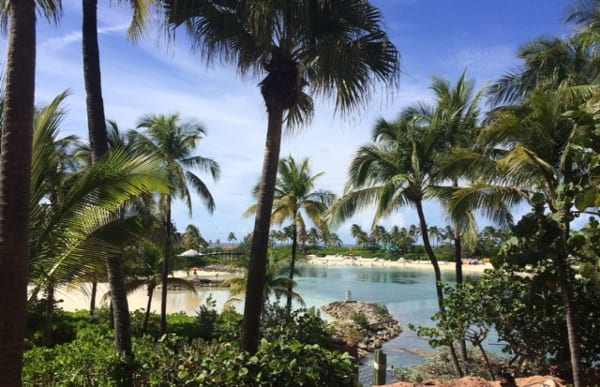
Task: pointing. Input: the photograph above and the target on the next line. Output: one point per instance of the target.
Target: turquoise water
(409, 296)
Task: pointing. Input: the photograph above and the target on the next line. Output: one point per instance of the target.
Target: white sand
(338, 260)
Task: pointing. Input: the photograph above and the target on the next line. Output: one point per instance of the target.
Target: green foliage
(90, 360)
(206, 318)
(439, 366)
(381, 310)
(303, 325)
(525, 309)
(360, 319)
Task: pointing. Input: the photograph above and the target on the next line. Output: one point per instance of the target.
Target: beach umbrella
(189, 253)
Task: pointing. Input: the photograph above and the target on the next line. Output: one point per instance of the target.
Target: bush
(360, 319)
(439, 366)
(303, 325)
(90, 360)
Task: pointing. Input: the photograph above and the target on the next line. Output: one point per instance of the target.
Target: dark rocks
(369, 325)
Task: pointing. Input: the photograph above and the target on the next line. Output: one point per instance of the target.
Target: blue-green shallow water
(409, 296)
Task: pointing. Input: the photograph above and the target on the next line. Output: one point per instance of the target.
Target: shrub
(360, 319)
(90, 360)
(439, 366)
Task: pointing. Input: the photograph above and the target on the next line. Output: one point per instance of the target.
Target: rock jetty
(369, 325)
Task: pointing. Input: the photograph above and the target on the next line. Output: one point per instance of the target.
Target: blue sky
(435, 37)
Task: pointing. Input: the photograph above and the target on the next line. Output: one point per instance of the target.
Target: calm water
(409, 296)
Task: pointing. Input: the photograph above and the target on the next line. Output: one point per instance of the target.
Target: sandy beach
(73, 298)
(340, 260)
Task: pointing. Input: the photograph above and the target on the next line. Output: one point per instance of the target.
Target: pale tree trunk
(570, 319)
(459, 280)
(148, 306)
(438, 280)
(165, 268)
(254, 301)
(292, 265)
(15, 187)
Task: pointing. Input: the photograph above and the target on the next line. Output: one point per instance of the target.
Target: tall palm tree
(173, 141)
(395, 171)
(295, 195)
(456, 114)
(99, 144)
(15, 177)
(335, 47)
(536, 140)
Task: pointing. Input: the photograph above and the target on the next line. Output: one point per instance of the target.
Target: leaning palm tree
(173, 141)
(15, 176)
(335, 47)
(295, 195)
(395, 171)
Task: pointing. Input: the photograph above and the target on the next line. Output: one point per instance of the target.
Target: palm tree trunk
(165, 269)
(438, 279)
(119, 295)
(93, 295)
(99, 144)
(253, 304)
(93, 82)
(459, 280)
(148, 306)
(49, 314)
(15, 187)
(292, 265)
(571, 320)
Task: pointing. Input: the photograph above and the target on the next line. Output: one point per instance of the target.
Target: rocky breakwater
(368, 325)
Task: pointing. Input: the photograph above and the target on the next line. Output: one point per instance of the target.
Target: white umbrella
(189, 253)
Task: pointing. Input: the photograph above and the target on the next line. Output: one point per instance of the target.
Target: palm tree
(231, 237)
(394, 171)
(99, 144)
(192, 239)
(173, 142)
(277, 285)
(537, 157)
(15, 177)
(335, 47)
(294, 196)
(434, 233)
(548, 63)
(147, 273)
(52, 169)
(359, 234)
(313, 237)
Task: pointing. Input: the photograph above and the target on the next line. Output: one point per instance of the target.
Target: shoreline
(340, 260)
